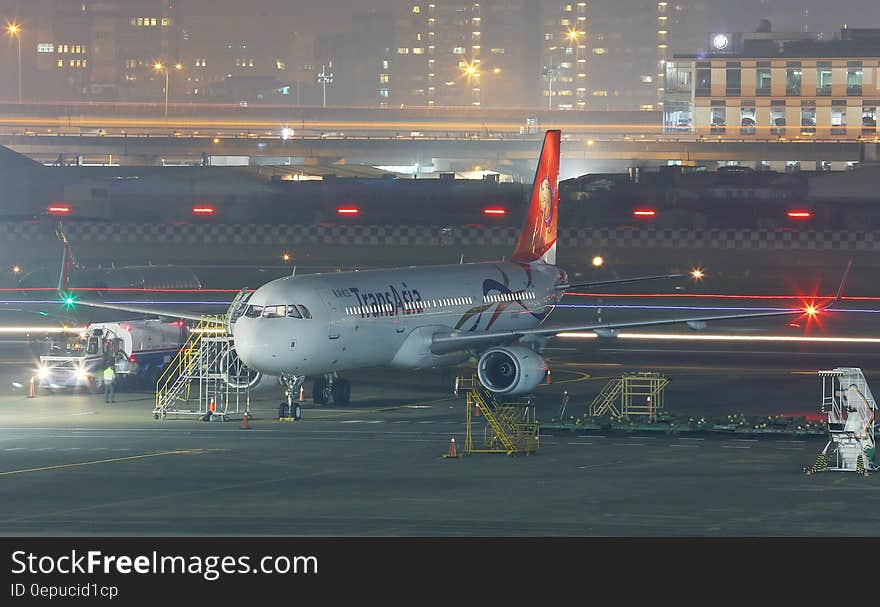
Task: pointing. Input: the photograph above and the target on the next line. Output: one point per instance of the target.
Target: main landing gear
(330, 386)
(289, 408)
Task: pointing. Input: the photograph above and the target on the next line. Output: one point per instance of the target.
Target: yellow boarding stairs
(510, 427)
(203, 362)
(635, 393)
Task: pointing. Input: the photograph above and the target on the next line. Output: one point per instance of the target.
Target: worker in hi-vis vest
(109, 383)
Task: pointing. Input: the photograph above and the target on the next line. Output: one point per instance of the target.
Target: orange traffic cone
(32, 391)
(300, 394)
(452, 453)
(212, 408)
(244, 421)
(476, 410)
(549, 381)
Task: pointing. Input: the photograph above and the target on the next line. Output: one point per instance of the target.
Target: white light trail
(718, 337)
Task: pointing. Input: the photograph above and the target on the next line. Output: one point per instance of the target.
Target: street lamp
(574, 36)
(159, 67)
(549, 73)
(14, 30)
(324, 79)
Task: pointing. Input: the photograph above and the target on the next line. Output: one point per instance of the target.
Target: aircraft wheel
(297, 412)
(283, 409)
(321, 391)
(341, 392)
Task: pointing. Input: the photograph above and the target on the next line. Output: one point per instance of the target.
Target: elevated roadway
(491, 151)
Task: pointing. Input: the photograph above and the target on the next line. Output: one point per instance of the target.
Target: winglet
(839, 296)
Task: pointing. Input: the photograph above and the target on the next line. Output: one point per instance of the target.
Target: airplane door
(333, 326)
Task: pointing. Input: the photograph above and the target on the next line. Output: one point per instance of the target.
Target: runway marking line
(107, 461)
(419, 404)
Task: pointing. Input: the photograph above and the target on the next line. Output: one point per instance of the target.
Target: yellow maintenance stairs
(205, 379)
(635, 393)
(509, 427)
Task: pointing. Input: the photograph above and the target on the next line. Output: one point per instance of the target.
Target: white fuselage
(382, 318)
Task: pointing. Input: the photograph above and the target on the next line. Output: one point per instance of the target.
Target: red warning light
(799, 214)
(348, 210)
(59, 209)
(203, 210)
(494, 211)
(644, 213)
(131, 358)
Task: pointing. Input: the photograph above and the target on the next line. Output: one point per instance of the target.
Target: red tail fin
(537, 240)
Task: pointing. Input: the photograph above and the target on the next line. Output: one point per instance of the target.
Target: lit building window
(497, 51)
(383, 92)
(600, 93)
(166, 21)
(418, 50)
(646, 79)
(403, 50)
(417, 9)
(600, 51)
(458, 50)
(384, 78)
(46, 47)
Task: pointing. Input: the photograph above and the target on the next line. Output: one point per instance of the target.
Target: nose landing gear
(290, 409)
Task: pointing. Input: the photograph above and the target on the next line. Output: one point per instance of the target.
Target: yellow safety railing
(510, 426)
(635, 393)
(174, 384)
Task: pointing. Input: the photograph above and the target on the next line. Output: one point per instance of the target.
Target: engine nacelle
(240, 377)
(511, 370)
(606, 333)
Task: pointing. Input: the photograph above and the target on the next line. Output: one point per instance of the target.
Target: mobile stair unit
(507, 427)
(206, 379)
(635, 393)
(851, 411)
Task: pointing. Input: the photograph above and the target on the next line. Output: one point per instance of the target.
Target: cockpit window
(274, 311)
(293, 312)
(254, 311)
(304, 310)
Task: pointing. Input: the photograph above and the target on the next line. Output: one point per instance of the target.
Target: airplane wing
(164, 311)
(616, 281)
(459, 340)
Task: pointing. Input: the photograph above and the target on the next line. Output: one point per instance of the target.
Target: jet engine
(240, 377)
(511, 370)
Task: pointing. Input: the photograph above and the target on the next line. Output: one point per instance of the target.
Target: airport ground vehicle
(139, 349)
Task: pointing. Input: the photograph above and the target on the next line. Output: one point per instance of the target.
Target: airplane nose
(254, 354)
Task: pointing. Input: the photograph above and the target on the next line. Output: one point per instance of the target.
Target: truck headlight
(81, 375)
(43, 372)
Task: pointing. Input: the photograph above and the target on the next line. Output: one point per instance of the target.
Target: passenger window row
(387, 309)
(291, 311)
(517, 295)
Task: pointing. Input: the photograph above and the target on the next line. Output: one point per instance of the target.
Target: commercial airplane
(322, 325)
(123, 277)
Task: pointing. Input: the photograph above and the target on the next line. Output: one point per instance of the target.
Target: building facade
(95, 49)
(777, 86)
(612, 54)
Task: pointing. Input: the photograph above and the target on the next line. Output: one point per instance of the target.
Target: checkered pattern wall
(267, 234)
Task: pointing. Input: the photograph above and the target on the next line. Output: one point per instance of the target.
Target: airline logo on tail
(537, 240)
